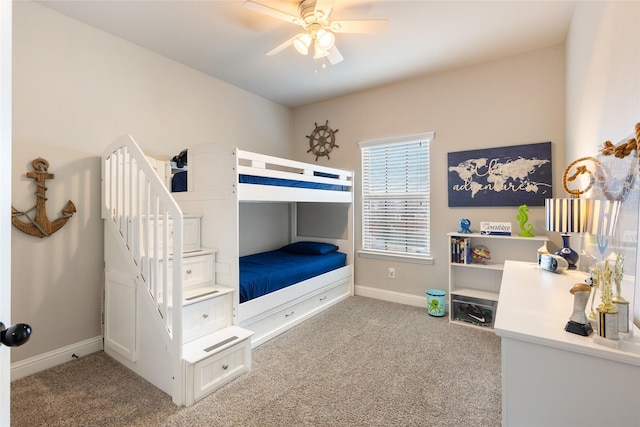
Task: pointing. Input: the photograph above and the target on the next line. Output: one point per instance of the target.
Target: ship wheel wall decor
(40, 226)
(322, 140)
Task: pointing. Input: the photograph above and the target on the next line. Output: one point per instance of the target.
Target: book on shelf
(461, 250)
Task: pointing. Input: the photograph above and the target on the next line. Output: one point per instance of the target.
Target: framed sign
(504, 176)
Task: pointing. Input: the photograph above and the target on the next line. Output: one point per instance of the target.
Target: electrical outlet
(392, 273)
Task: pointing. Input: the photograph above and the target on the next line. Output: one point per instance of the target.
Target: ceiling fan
(319, 29)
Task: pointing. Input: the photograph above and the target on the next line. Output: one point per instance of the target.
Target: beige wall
(518, 100)
(603, 90)
(603, 75)
(75, 89)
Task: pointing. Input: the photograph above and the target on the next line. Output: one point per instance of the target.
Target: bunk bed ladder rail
(140, 208)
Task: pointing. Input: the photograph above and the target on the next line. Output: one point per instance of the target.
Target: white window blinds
(395, 195)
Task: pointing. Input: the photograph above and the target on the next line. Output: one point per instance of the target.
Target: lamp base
(567, 253)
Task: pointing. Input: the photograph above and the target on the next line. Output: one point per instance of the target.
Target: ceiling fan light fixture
(325, 39)
(302, 43)
(319, 52)
(314, 16)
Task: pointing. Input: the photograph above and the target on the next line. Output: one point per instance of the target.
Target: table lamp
(570, 215)
(567, 216)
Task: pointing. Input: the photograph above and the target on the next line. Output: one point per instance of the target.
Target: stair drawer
(191, 233)
(217, 370)
(197, 270)
(206, 316)
(191, 230)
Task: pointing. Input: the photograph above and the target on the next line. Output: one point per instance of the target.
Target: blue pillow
(309, 248)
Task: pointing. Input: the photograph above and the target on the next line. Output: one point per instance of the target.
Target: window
(395, 196)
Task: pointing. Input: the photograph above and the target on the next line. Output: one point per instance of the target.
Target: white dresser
(555, 378)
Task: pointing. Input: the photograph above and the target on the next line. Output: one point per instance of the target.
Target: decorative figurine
(607, 313)
(523, 217)
(595, 284)
(40, 225)
(618, 271)
(621, 304)
(465, 225)
(578, 322)
(322, 140)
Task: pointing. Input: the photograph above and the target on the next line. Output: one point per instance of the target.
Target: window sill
(396, 257)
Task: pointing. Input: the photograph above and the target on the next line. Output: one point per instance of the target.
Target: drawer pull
(225, 366)
(290, 314)
(323, 298)
(189, 271)
(205, 315)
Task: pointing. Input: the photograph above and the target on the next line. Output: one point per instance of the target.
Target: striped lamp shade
(603, 217)
(566, 215)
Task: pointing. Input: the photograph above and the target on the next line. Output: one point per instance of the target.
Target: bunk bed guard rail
(262, 169)
(259, 177)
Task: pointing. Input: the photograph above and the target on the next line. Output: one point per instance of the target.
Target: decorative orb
(480, 254)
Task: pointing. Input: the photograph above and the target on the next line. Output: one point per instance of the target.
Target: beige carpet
(363, 362)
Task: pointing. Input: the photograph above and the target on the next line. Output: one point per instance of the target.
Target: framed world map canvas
(504, 176)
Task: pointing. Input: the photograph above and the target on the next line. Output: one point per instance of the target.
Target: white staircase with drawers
(214, 351)
(165, 317)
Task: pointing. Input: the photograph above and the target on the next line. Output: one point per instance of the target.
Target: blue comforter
(266, 272)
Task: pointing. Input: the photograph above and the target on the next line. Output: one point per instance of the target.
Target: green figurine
(523, 217)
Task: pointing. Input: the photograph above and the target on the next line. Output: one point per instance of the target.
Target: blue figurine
(465, 224)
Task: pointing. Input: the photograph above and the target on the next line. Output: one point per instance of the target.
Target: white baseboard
(391, 296)
(53, 358)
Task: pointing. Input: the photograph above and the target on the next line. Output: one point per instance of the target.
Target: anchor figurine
(41, 226)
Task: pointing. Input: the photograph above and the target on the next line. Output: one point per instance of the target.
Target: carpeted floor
(363, 362)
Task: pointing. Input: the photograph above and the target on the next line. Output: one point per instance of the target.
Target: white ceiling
(227, 41)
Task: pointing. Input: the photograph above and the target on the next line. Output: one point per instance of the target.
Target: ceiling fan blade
(281, 46)
(274, 13)
(365, 26)
(334, 55)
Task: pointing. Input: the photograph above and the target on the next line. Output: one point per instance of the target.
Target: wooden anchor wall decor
(41, 226)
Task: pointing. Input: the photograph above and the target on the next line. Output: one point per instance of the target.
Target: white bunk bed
(215, 191)
(172, 311)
